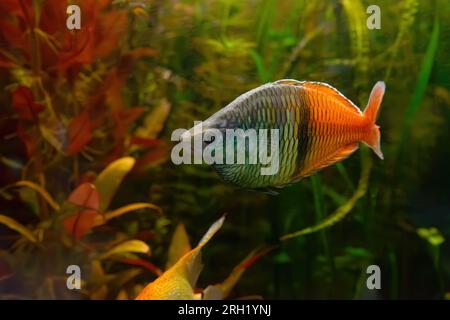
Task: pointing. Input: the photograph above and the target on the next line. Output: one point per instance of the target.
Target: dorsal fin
(289, 82)
(321, 87)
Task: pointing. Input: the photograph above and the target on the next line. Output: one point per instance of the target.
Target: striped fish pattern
(318, 126)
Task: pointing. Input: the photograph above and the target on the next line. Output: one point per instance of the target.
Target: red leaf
(143, 263)
(80, 133)
(26, 107)
(254, 257)
(155, 156)
(89, 177)
(86, 196)
(131, 114)
(53, 16)
(145, 142)
(145, 235)
(22, 9)
(142, 52)
(76, 50)
(109, 29)
(14, 35)
(31, 141)
(100, 34)
(80, 224)
(5, 63)
(123, 118)
(113, 89)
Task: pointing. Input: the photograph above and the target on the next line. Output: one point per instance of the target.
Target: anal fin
(339, 155)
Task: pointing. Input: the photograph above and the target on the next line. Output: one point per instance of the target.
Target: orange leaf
(86, 196)
(23, 102)
(80, 224)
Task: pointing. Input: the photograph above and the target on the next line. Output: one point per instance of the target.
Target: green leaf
(282, 257)
(154, 121)
(263, 74)
(102, 219)
(16, 226)
(44, 194)
(421, 85)
(109, 180)
(341, 212)
(432, 235)
(29, 197)
(54, 132)
(136, 246)
(357, 252)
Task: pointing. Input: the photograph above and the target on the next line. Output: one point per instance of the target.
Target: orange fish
(178, 282)
(318, 126)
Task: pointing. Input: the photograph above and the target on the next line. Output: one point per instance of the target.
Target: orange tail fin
(373, 137)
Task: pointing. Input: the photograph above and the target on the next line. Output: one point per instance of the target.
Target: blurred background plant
(77, 103)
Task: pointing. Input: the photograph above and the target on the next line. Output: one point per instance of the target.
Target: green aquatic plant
(421, 85)
(357, 17)
(341, 212)
(409, 9)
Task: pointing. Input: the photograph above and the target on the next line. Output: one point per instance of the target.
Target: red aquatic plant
(67, 84)
(47, 37)
(66, 111)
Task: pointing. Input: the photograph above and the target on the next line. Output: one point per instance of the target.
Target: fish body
(318, 126)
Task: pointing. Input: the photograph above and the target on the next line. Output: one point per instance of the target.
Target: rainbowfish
(317, 125)
(178, 282)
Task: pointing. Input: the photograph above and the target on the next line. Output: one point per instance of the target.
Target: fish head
(211, 130)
